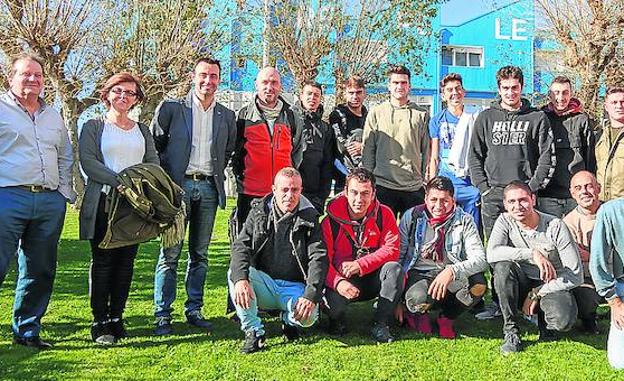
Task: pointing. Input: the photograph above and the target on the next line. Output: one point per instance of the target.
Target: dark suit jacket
(172, 128)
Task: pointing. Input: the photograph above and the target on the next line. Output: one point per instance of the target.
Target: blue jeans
(270, 294)
(467, 196)
(615, 342)
(201, 201)
(37, 220)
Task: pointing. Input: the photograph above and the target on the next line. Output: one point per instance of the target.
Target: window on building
(447, 57)
(462, 56)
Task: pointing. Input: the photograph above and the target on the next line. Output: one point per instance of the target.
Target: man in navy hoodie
(511, 140)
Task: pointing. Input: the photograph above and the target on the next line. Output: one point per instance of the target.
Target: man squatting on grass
(278, 261)
(511, 140)
(363, 248)
(443, 257)
(585, 189)
(536, 265)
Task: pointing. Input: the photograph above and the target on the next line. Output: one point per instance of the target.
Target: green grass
(190, 354)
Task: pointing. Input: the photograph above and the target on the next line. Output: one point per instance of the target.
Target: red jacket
(258, 155)
(384, 244)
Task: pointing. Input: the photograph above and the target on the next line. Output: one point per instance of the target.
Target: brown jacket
(610, 162)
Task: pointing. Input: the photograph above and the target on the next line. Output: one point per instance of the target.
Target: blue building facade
(475, 46)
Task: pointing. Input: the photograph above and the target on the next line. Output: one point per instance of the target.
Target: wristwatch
(533, 296)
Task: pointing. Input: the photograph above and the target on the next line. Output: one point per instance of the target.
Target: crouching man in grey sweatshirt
(536, 265)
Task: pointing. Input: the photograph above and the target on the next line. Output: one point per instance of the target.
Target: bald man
(267, 140)
(585, 190)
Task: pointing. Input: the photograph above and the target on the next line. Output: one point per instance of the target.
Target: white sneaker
(490, 312)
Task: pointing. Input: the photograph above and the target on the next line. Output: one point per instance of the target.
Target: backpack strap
(412, 229)
(335, 226)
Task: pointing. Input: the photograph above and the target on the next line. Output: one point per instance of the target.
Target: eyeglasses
(119, 91)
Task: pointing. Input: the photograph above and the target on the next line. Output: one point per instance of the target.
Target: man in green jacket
(609, 147)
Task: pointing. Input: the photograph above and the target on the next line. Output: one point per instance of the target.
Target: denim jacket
(463, 245)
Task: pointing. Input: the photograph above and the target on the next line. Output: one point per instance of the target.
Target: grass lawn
(190, 354)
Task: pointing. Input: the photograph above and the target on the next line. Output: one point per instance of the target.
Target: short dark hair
(516, 184)
(440, 183)
(450, 77)
(355, 81)
(399, 69)
(509, 72)
(613, 89)
(362, 175)
(116, 79)
(561, 79)
(209, 61)
(25, 56)
(313, 84)
(289, 172)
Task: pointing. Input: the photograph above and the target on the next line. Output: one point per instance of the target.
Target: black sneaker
(252, 342)
(547, 335)
(381, 333)
(163, 326)
(337, 327)
(291, 332)
(32, 342)
(196, 319)
(100, 334)
(512, 344)
(117, 329)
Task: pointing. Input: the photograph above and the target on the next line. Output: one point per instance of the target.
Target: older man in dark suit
(195, 137)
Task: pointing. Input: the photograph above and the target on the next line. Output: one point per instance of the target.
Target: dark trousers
(385, 283)
(243, 206)
(587, 300)
(557, 207)
(111, 272)
(400, 201)
(491, 207)
(557, 311)
(417, 286)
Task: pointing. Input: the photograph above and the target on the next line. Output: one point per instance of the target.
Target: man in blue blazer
(194, 137)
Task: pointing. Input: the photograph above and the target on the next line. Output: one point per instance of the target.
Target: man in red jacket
(362, 241)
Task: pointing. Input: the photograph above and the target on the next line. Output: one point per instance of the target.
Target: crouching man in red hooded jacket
(362, 241)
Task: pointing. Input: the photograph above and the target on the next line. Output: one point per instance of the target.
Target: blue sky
(455, 12)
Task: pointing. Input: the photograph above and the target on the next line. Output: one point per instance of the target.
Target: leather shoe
(196, 319)
(32, 342)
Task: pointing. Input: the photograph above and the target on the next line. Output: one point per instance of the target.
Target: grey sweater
(508, 242)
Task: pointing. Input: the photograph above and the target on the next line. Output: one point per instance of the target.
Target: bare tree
(589, 33)
(168, 37)
(351, 37)
(302, 34)
(56, 31)
(373, 33)
(83, 42)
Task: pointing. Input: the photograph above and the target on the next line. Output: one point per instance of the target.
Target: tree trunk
(339, 78)
(71, 109)
(588, 94)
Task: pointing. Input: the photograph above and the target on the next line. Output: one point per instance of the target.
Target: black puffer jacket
(574, 147)
(258, 246)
